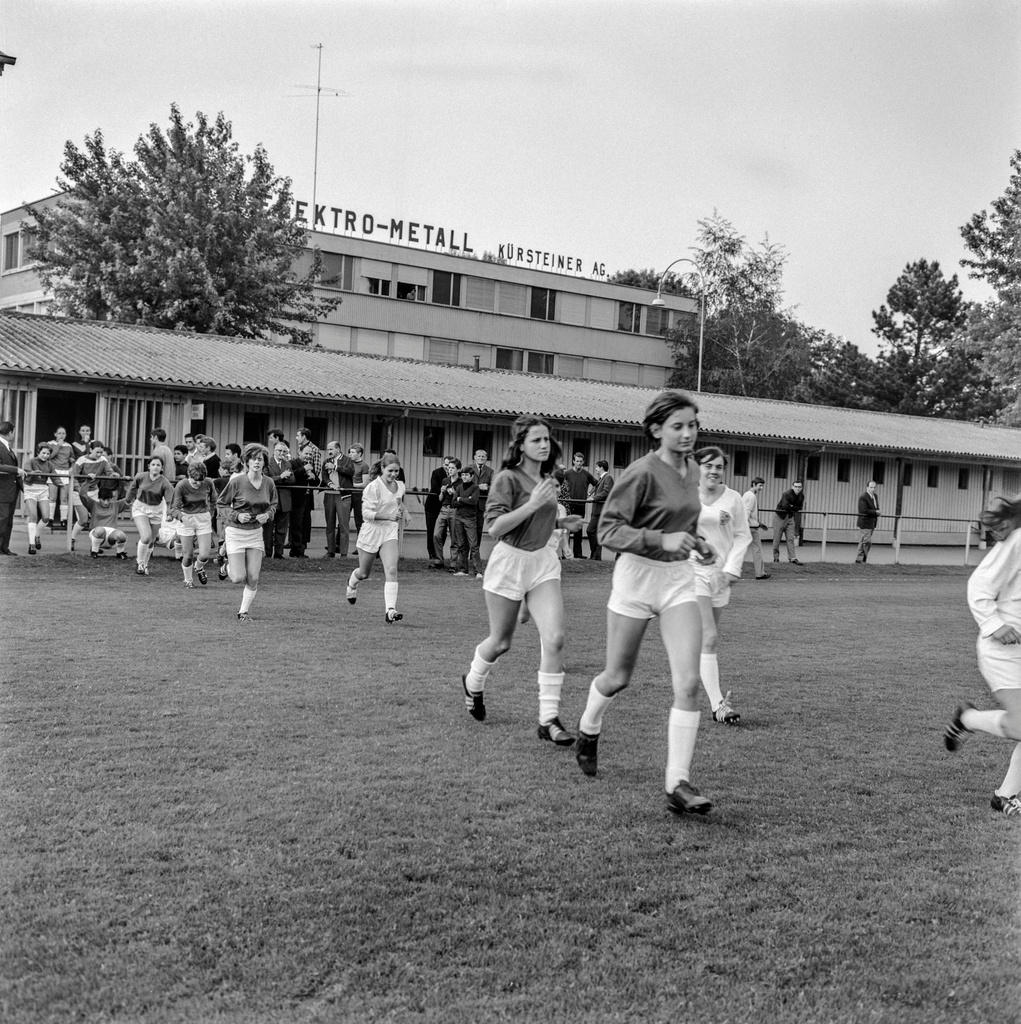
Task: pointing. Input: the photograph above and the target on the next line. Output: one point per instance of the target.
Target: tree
(926, 366)
(190, 235)
(994, 329)
(752, 346)
(841, 374)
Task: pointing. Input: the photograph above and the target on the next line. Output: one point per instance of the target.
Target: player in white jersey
(382, 511)
(994, 597)
(723, 522)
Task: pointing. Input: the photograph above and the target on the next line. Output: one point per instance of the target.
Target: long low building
(123, 380)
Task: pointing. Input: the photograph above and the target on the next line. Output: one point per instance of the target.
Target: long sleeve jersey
(650, 498)
(724, 524)
(994, 588)
(191, 498)
(103, 512)
(379, 502)
(241, 495)
(150, 492)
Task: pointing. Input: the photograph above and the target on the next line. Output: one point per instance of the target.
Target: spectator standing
(312, 458)
(286, 474)
(868, 519)
(448, 512)
(180, 462)
(84, 441)
(604, 484)
(159, 449)
(437, 481)
(466, 539)
(360, 477)
(788, 508)
(484, 476)
(338, 475)
(578, 480)
(12, 481)
(750, 500)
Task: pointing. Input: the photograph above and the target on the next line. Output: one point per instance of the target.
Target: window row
(16, 246)
(444, 288)
(782, 470)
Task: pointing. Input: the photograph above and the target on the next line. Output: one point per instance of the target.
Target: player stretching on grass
(723, 522)
(994, 596)
(521, 514)
(247, 502)
(650, 517)
(382, 509)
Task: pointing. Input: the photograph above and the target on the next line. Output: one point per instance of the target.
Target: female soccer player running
(36, 496)
(146, 496)
(247, 502)
(193, 505)
(651, 517)
(723, 523)
(994, 597)
(521, 515)
(382, 509)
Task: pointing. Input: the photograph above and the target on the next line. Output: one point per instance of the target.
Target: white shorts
(512, 573)
(236, 540)
(712, 582)
(644, 588)
(194, 525)
(36, 492)
(1000, 664)
(372, 536)
(108, 532)
(154, 513)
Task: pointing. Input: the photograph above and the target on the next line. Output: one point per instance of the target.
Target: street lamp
(658, 301)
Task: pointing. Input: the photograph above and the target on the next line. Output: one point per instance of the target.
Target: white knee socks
(709, 669)
(592, 718)
(550, 685)
(984, 721)
(478, 673)
(681, 734)
(1012, 780)
(390, 595)
(247, 597)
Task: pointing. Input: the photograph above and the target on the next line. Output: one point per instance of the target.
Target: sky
(859, 136)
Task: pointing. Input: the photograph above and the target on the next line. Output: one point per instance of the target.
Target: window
(740, 463)
(509, 359)
(446, 288)
(432, 441)
(544, 304)
(657, 320)
(629, 317)
(513, 298)
(11, 251)
(441, 350)
(906, 474)
(843, 471)
(318, 425)
(332, 274)
(29, 238)
(962, 478)
(621, 454)
(570, 366)
(879, 472)
(540, 362)
(812, 467)
(780, 467)
(378, 286)
(256, 427)
(481, 294)
(932, 477)
(411, 292)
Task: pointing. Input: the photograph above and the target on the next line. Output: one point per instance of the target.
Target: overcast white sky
(859, 135)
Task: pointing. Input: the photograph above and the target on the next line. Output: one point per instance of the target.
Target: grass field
(296, 821)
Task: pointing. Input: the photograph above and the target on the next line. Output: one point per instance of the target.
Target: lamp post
(658, 301)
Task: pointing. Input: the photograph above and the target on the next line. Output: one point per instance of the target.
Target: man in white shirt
(750, 498)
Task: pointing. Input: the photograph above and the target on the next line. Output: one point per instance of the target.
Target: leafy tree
(926, 367)
(190, 235)
(841, 374)
(994, 240)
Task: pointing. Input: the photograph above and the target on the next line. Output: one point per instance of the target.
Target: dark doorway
(67, 409)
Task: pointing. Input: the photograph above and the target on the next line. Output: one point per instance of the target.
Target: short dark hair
(663, 405)
(235, 448)
(6, 427)
(758, 480)
(159, 433)
(276, 432)
(305, 433)
(603, 464)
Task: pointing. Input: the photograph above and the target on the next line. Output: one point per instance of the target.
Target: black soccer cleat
(554, 732)
(955, 733)
(685, 799)
(392, 616)
(474, 702)
(586, 752)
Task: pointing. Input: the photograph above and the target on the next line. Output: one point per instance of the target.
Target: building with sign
(445, 306)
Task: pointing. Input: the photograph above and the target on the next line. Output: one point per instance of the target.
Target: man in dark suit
(868, 519)
(12, 482)
(604, 485)
(288, 475)
(785, 520)
(437, 481)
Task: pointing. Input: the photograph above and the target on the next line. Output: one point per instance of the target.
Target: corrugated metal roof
(126, 354)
